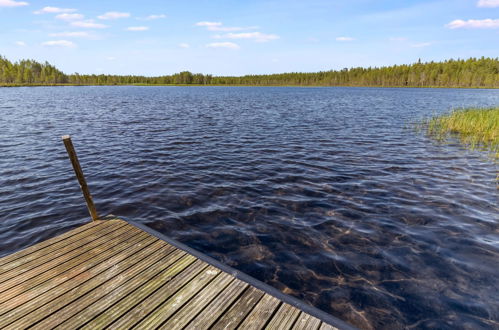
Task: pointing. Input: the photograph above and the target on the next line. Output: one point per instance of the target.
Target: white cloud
(345, 39)
(70, 17)
(421, 44)
(398, 39)
(113, 15)
(229, 45)
(184, 45)
(12, 3)
(75, 34)
(488, 3)
(218, 26)
(153, 17)
(21, 43)
(110, 58)
(89, 24)
(208, 24)
(137, 28)
(59, 43)
(474, 24)
(54, 10)
(257, 36)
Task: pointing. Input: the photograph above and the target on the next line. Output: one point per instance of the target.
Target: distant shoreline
(232, 85)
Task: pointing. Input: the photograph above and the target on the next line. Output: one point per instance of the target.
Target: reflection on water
(320, 192)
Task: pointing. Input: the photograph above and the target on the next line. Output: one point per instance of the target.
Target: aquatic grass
(476, 128)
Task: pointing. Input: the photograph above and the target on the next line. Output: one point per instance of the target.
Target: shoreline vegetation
(476, 128)
(471, 73)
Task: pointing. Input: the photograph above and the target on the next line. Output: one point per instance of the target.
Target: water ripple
(321, 192)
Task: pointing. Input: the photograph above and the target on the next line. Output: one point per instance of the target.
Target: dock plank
(284, 318)
(42, 245)
(306, 321)
(140, 311)
(116, 275)
(42, 274)
(67, 280)
(65, 261)
(262, 312)
(238, 311)
(116, 313)
(175, 302)
(41, 311)
(184, 315)
(54, 251)
(219, 305)
(98, 286)
(103, 304)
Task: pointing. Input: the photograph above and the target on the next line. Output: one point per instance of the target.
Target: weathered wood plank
(284, 318)
(102, 305)
(39, 311)
(325, 326)
(114, 275)
(187, 312)
(40, 274)
(75, 242)
(306, 321)
(104, 283)
(25, 255)
(262, 312)
(237, 312)
(218, 306)
(70, 259)
(70, 278)
(137, 313)
(167, 308)
(121, 313)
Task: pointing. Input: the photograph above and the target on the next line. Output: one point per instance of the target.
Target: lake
(327, 194)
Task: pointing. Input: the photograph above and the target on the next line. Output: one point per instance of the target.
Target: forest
(463, 73)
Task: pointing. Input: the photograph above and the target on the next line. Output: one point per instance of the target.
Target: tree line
(473, 72)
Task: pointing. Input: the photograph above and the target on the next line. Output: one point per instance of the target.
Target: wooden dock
(120, 275)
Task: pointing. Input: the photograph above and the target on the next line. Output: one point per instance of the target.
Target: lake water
(324, 193)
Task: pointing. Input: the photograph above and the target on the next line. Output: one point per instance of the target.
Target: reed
(475, 128)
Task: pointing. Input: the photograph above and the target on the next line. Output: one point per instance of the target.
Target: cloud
(474, 24)
(137, 28)
(70, 17)
(184, 45)
(208, 24)
(229, 45)
(54, 10)
(89, 24)
(488, 3)
(345, 39)
(153, 17)
(421, 44)
(59, 43)
(397, 39)
(218, 26)
(110, 58)
(113, 15)
(75, 34)
(12, 3)
(257, 36)
(21, 43)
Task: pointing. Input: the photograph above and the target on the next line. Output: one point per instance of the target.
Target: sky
(229, 37)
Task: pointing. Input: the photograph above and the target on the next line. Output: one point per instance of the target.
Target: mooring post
(79, 175)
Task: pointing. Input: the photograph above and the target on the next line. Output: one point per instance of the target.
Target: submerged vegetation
(471, 73)
(476, 128)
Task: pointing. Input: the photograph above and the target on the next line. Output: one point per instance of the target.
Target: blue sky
(223, 37)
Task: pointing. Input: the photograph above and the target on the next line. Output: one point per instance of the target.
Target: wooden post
(79, 175)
